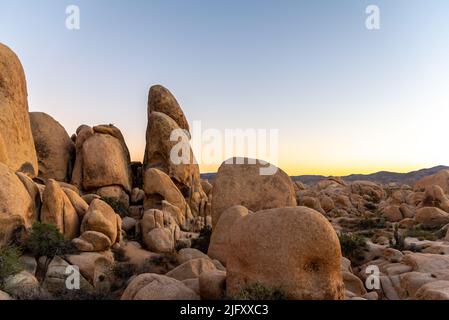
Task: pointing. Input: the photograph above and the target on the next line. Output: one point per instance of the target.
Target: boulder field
(155, 230)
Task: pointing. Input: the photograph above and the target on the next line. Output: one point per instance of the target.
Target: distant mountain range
(382, 177)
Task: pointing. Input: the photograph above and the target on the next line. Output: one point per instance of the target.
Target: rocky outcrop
(168, 149)
(54, 148)
(16, 141)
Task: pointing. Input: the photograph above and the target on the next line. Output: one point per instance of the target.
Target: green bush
(351, 243)
(9, 262)
(258, 291)
(118, 206)
(202, 242)
(124, 270)
(377, 223)
(421, 234)
(46, 240)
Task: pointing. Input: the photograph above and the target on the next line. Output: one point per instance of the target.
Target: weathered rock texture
(16, 141)
(243, 184)
(55, 150)
(294, 249)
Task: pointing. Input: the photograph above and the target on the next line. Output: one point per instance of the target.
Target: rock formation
(242, 184)
(54, 148)
(16, 141)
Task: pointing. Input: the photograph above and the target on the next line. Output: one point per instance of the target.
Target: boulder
(54, 148)
(22, 284)
(432, 217)
(212, 285)
(440, 178)
(17, 210)
(219, 240)
(161, 100)
(150, 286)
(327, 203)
(426, 262)
(159, 240)
(158, 186)
(92, 263)
(83, 132)
(56, 276)
(92, 241)
(293, 249)
(101, 217)
(78, 203)
(187, 254)
(392, 213)
(368, 188)
(193, 284)
(191, 269)
(434, 196)
(353, 283)
(4, 296)
(412, 281)
(436, 290)
(175, 158)
(33, 190)
(59, 211)
(16, 140)
(105, 163)
(243, 184)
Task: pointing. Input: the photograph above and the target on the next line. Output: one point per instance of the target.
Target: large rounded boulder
(16, 141)
(55, 150)
(293, 249)
(241, 181)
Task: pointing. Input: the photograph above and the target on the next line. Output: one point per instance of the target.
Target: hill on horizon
(382, 177)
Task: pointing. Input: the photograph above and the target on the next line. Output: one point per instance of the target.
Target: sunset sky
(344, 98)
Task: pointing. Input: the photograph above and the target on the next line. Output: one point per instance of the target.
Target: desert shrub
(351, 243)
(124, 270)
(164, 260)
(118, 206)
(378, 223)
(9, 262)
(46, 240)
(202, 242)
(397, 242)
(119, 255)
(83, 295)
(160, 264)
(181, 245)
(258, 291)
(370, 206)
(421, 234)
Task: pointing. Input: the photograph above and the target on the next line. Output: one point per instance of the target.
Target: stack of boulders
(171, 178)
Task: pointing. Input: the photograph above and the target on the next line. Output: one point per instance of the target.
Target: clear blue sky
(344, 98)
